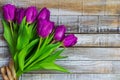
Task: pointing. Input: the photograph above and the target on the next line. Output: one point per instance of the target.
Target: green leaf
(43, 53)
(53, 57)
(48, 50)
(15, 26)
(24, 52)
(23, 23)
(8, 36)
(15, 35)
(47, 66)
(50, 38)
(32, 30)
(22, 35)
(23, 38)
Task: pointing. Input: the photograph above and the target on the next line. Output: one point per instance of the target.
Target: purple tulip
(44, 28)
(31, 14)
(44, 14)
(70, 40)
(9, 12)
(60, 33)
(20, 13)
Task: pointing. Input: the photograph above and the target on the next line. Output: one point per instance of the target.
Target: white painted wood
(98, 40)
(80, 16)
(80, 67)
(71, 77)
(71, 22)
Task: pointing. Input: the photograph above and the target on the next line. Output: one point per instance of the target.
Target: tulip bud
(31, 14)
(70, 40)
(60, 33)
(20, 13)
(9, 12)
(44, 14)
(44, 28)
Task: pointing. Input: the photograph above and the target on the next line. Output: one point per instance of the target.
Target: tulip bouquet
(33, 41)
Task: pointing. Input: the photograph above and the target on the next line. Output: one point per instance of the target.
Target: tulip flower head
(70, 40)
(44, 14)
(9, 12)
(31, 14)
(60, 33)
(20, 13)
(44, 28)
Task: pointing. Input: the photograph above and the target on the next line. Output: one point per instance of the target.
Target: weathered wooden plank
(79, 54)
(71, 22)
(93, 7)
(86, 24)
(71, 77)
(112, 7)
(92, 54)
(116, 67)
(108, 24)
(4, 53)
(90, 40)
(83, 67)
(87, 67)
(90, 24)
(72, 7)
(54, 19)
(98, 40)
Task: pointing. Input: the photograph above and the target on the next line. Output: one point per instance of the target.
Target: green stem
(38, 60)
(27, 24)
(45, 42)
(19, 73)
(40, 41)
(11, 27)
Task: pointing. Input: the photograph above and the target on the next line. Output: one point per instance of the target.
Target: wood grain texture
(72, 7)
(90, 24)
(86, 67)
(82, 67)
(86, 24)
(75, 54)
(79, 67)
(98, 40)
(112, 7)
(90, 40)
(96, 56)
(71, 76)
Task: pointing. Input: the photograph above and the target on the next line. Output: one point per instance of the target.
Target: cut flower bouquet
(33, 41)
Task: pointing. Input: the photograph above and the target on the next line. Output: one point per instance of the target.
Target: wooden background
(96, 23)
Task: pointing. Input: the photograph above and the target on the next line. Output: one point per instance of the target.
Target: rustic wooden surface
(96, 23)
